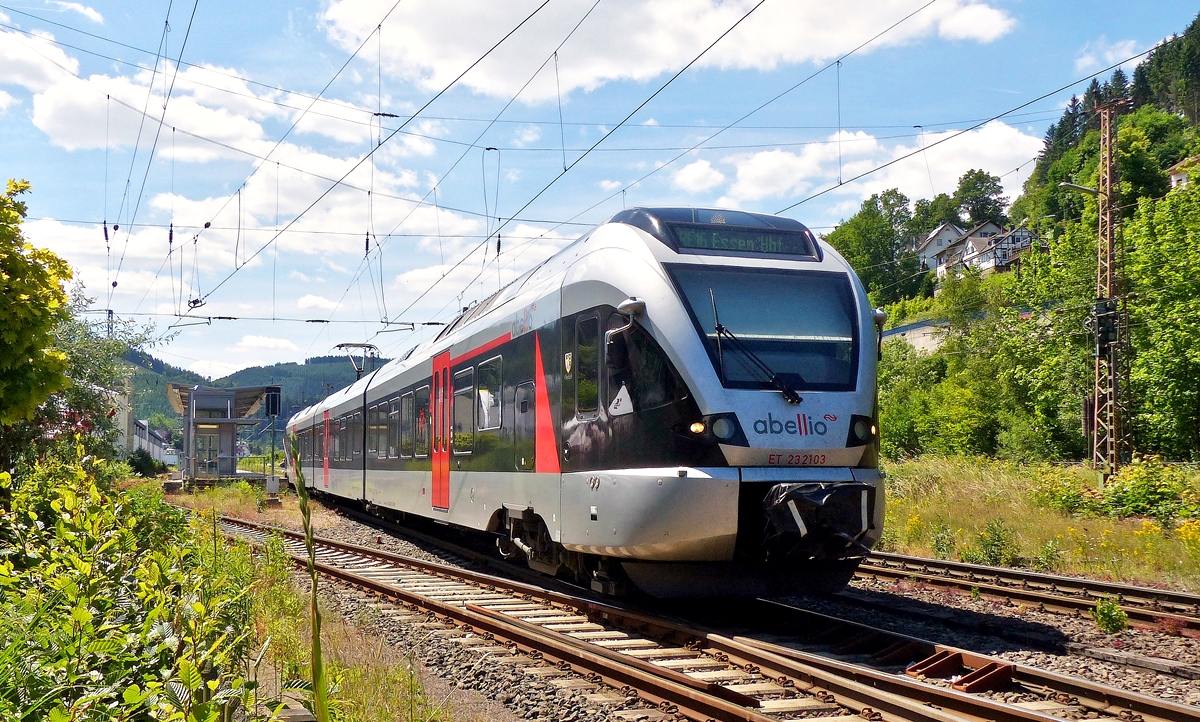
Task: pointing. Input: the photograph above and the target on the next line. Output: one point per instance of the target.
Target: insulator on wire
(106, 231)
(368, 245)
(170, 234)
(497, 245)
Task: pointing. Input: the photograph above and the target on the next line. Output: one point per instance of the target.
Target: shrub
(997, 546)
(941, 540)
(144, 465)
(1189, 535)
(1048, 556)
(1109, 616)
(1147, 487)
(1060, 490)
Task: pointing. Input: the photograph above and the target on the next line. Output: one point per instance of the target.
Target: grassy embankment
(370, 679)
(1144, 528)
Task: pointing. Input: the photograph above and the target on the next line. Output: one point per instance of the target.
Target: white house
(940, 237)
(1179, 172)
(970, 243)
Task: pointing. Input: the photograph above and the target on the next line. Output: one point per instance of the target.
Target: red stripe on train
(545, 445)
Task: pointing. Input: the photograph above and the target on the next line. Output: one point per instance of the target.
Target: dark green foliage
(996, 546)
(144, 465)
(980, 197)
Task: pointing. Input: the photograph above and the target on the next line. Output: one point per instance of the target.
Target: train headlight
(697, 427)
(862, 431)
(723, 428)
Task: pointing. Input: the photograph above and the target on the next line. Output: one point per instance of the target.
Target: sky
(327, 172)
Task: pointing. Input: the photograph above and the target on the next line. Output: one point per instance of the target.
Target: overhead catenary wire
(358, 164)
(608, 134)
(976, 126)
(433, 190)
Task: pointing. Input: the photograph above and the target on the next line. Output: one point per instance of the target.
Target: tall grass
(319, 685)
(1035, 516)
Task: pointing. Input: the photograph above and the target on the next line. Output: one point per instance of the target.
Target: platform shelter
(211, 418)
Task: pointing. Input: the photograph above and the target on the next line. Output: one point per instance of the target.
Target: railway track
(1162, 608)
(807, 666)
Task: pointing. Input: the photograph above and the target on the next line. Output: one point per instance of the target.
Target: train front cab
(754, 470)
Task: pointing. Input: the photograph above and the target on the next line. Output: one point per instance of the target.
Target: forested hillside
(1016, 366)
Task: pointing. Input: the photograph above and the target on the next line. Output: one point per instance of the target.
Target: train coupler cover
(818, 520)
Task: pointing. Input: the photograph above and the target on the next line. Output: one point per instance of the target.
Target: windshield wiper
(773, 378)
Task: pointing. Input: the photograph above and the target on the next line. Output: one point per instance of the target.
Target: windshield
(802, 324)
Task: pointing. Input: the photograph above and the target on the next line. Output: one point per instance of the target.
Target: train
(682, 401)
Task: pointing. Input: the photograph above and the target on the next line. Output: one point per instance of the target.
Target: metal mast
(1107, 436)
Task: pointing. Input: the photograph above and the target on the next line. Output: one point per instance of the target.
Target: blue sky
(82, 89)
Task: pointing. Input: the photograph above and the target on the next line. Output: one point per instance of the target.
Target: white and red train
(683, 398)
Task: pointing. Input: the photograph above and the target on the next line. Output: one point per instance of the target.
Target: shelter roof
(246, 399)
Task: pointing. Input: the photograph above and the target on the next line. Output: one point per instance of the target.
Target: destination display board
(742, 240)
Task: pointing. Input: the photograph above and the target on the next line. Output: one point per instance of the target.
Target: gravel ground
(1025, 619)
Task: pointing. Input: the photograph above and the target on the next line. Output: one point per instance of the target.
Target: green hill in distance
(301, 384)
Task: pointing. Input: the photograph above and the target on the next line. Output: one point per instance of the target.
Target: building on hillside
(1001, 252)
(1180, 171)
(211, 418)
(924, 336)
(940, 237)
(970, 242)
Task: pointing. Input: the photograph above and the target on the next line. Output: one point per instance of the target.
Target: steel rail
(1144, 605)
(870, 692)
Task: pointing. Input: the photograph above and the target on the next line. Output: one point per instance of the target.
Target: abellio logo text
(802, 425)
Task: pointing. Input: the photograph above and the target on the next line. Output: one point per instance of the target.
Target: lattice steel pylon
(1107, 434)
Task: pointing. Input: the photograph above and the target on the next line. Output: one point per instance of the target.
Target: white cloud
(6, 101)
(651, 122)
(430, 42)
(216, 369)
(312, 301)
(785, 175)
(1101, 53)
(266, 342)
(526, 135)
(608, 186)
(84, 10)
(697, 177)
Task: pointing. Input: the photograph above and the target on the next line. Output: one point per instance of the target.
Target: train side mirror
(632, 306)
(880, 317)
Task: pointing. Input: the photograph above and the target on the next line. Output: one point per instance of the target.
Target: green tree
(32, 303)
(980, 197)
(929, 214)
(1164, 270)
(876, 243)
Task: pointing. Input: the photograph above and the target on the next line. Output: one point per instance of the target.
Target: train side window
(406, 425)
(488, 387)
(339, 440)
(524, 426)
(587, 363)
(356, 438)
(421, 428)
(462, 433)
(393, 428)
(372, 423)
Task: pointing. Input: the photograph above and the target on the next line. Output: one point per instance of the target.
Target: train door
(525, 428)
(440, 496)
